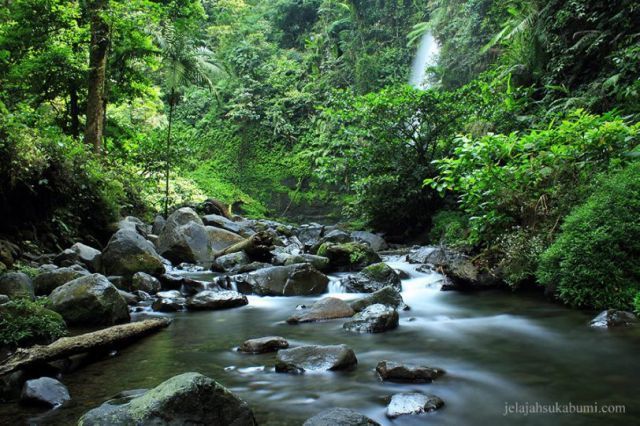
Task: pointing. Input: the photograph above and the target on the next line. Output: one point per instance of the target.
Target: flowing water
(496, 347)
(426, 56)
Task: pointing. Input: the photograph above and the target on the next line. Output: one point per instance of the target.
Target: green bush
(636, 303)
(25, 323)
(594, 262)
(450, 227)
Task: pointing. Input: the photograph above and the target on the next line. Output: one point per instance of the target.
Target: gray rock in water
(264, 344)
(373, 278)
(294, 280)
(90, 300)
(214, 300)
(48, 278)
(189, 398)
(218, 221)
(319, 262)
(184, 238)
(315, 358)
(16, 285)
(396, 372)
(169, 301)
(128, 252)
(421, 255)
(348, 256)
(613, 318)
(82, 254)
(376, 242)
(44, 391)
(233, 261)
(220, 239)
(145, 282)
(324, 309)
(310, 235)
(340, 417)
(388, 296)
(158, 225)
(130, 298)
(412, 403)
(373, 319)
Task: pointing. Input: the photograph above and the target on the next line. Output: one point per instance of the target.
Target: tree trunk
(168, 156)
(97, 73)
(100, 340)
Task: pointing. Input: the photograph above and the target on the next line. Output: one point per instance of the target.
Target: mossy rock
(25, 323)
(348, 256)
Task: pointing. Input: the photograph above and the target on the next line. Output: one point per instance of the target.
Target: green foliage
(636, 304)
(594, 261)
(25, 323)
(449, 227)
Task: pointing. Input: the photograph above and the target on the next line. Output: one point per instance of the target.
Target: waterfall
(426, 57)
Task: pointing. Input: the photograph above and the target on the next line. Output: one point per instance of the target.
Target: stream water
(496, 347)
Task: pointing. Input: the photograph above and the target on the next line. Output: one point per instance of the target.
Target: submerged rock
(90, 300)
(189, 398)
(128, 252)
(294, 280)
(388, 296)
(396, 372)
(413, 403)
(264, 344)
(16, 285)
(44, 391)
(613, 318)
(373, 278)
(340, 417)
(373, 319)
(315, 358)
(184, 238)
(324, 309)
(214, 300)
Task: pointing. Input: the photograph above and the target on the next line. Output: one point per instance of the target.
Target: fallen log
(108, 338)
(257, 247)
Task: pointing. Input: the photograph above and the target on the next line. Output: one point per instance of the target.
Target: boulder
(158, 225)
(16, 285)
(264, 344)
(128, 252)
(348, 256)
(233, 261)
(44, 391)
(373, 278)
(388, 296)
(184, 238)
(50, 278)
(189, 398)
(80, 254)
(373, 319)
(89, 300)
(319, 262)
(310, 235)
(145, 282)
(220, 239)
(412, 403)
(9, 253)
(613, 318)
(293, 280)
(214, 300)
(169, 301)
(340, 417)
(376, 242)
(222, 222)
(131, 223)
(315, 358)
(336, 236)
(130, 298)
(324, 309)
(421, 255)
(396, 372)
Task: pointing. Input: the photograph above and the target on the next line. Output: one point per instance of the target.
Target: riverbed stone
(373, 319)
(214, 300)
(340, 417)
(44, 391)
(397, 372)
(324, 309)
(218, 221)
(315, 358)
(614, 318)
(81, 254)
(145, 282)
(375, 241)
(49, 278)
(16, 285)
(264, 345)
(321, 263)
(373, 278)
(128, 252)
(220, 239)
(89, 300)
(388, 296)
(130, 298)
(184, 238)
(348, 256)
(310, 234)
(293, 280)
(412, 403)
(233, 261)
(169, 301)
(189, 398)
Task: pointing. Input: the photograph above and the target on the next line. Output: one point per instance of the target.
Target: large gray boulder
(388, 296)
(375, 241)
(49, 278)
(412, 403)
(232, 262)
(240, 228)
(80, 254)
(340, 417)
(90, 300)
(373, 319)
(220, 239)
(315, 358)
(373, 278)
(128, 252)
(310, 235)
(16, 285)
(293, 280)
(145, 282)
(322, 310)
(263, 345)
(189, 398)
(44, 391)
(396, 372)
(184, 238)
(214, 300)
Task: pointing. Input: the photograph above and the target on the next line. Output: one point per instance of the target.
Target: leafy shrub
(594, 262)
(449, 227)
(636, 303)
(519, 252)
(25, 323)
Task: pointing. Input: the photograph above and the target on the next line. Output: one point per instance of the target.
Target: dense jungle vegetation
(523, 151)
